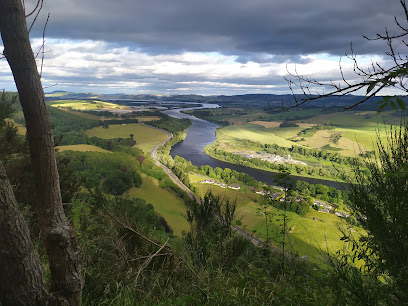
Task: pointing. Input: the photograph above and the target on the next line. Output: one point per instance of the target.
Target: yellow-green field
(358, 132)
(317, 232)
(252, 132)
(309, 235)
(57, 94)
(87, 105)
(165, 203)
(146, 137)
(82, 148)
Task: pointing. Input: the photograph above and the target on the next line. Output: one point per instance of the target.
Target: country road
(174, 178)
(153, 152)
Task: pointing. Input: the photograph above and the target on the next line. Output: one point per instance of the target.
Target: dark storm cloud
(239, 27)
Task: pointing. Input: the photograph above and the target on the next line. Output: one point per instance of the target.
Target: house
(341, 214)
(207, 181)
(234, 186)
(261, 192)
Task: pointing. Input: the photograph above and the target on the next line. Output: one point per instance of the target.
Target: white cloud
(85, 65)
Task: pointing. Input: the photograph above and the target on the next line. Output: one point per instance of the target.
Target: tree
(58, 237)
(283, 179)
(373, 79)
(379, 200)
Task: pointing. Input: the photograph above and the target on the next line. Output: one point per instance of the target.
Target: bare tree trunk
(56, 232)
(18, 284)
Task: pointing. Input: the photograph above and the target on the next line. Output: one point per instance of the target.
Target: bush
(286, 124)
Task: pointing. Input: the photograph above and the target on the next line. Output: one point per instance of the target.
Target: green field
(308, 235)
(316, 232)
(251, 132)
(358, 131)
(86, 105)
(165, 203)
(146, 137)
(82, 148)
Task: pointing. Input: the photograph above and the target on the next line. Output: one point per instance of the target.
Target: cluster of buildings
(324, 207)
(222, 185)
(272, 158)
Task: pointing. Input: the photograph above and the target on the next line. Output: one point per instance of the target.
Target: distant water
(202, 133)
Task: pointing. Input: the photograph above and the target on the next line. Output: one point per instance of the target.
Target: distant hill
(271, 101)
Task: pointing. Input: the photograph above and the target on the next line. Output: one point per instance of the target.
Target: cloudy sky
(203, 47)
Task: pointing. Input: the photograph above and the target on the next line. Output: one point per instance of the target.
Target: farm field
(165, 203)
(82, 148)
(251, 132)
(317, 232)
(357, 130)
(146, 137)
(86, 105)
(309, 235)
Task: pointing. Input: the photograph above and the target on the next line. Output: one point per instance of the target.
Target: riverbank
(215, 152)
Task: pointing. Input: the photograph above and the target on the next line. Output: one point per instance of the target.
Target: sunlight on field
(274, 124)
(308, 235)
(86, 105)
(146, 137)
(322, 138)
(165, 203)
(82, 148)
(253, 133)
(317, 232)
(358, 132)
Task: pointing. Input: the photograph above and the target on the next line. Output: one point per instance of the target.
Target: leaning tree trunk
(56, 232)
(21, 273)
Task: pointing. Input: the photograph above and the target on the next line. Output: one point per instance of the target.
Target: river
(202, 133)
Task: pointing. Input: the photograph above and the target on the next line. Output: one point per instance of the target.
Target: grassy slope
(82, 148)
(358, 130)
(309, 234)
(165, 203)
(146, 137)
(86, 105)
(252, 132)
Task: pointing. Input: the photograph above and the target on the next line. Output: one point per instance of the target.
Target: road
(153, 152)
(175, 179)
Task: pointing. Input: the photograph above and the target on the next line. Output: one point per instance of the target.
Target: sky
(209, 47)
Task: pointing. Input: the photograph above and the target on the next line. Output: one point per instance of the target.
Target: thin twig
(36, 16)
(148, 260)
(129, 227)
(43, 44)
(38, 3)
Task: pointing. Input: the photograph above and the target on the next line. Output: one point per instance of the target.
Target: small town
(322, 206)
